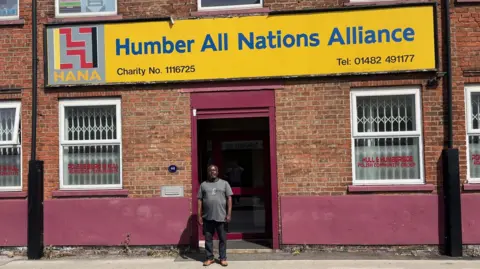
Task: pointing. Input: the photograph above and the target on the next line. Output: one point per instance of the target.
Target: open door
(243, 159)
(236, 132)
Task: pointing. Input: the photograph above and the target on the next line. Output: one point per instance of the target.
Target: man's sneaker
(224, 263)
(208, 262)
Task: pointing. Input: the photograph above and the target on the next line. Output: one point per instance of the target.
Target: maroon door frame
(231, 104)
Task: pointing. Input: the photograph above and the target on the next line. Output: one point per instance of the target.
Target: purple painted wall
(360, 220)
(13, 223)
(352, 219)
(106, 222)
(471, 218)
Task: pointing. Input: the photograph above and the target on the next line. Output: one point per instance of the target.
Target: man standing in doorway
(213, 197)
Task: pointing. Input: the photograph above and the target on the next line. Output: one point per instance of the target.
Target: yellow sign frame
(349, 41)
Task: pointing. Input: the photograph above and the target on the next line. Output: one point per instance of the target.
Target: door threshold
(242, 246)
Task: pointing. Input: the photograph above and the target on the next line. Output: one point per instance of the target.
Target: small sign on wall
(172, 191)
(172, 168)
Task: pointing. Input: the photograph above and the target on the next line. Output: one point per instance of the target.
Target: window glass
(10, 147)
(8, 9)
(387, 139)
(91, 145)
(86, 7)
(474, 135)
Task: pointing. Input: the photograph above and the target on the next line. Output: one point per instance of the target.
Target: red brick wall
(465, 21)
(155, 134)
(314, 135)
(16, 52)
(313, 142)
(15, 73)
(155, 120)
(310, 159)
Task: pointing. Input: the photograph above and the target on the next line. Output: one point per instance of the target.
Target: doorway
(240, 148)
(235, 130)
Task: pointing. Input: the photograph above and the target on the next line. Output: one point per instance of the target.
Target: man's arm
(199, 216)
(229, 214)
(229, 193)
(200, 205)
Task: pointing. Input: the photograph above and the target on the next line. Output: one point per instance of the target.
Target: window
(78, 8)
(8, 9)
(473, 133)
(10, 147)
(90, 144)
(228, 4)
(387, 137)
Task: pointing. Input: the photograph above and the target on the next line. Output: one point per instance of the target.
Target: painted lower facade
(341, 152)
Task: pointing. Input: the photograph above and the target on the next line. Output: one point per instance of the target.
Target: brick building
(328, 118)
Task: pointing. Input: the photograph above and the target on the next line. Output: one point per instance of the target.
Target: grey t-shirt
(214, 197)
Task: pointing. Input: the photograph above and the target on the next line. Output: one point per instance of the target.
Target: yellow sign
(389, 39)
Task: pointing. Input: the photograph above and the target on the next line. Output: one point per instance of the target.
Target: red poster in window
(9, 170)
(476, 159)
(392, 161)
(96, 168)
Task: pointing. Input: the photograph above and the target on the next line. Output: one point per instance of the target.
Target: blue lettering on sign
(278, 39)
(8, 12)
(164, 46)
(356, 35)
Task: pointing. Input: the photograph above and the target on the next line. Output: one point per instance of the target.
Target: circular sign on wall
(172, 168)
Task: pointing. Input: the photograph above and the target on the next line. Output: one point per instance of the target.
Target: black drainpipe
(448, 61)
(34, 80)
(35, 167)
(451, 177)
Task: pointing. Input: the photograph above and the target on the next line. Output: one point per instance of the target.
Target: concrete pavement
(171, 263)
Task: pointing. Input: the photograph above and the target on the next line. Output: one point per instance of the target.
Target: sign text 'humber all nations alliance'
(315, 44)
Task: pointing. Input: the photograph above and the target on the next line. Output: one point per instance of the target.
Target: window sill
(90, 193)
(392, 188)
(85, 19)
(15, 22)
(229, 12)
(13, 194)
(10, 90)
(385, 3)
(471, 187)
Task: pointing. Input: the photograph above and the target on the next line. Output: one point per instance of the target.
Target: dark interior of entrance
(240, 147)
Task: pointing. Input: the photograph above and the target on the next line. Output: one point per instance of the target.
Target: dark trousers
(209, 228)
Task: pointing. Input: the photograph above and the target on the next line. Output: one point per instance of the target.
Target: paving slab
(170, 263)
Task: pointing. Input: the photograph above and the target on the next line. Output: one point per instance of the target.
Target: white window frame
(85, 14)
(15, 141)
(90, 102)
(469, 131)
(200, 8)
(354, 93)
(16, 17)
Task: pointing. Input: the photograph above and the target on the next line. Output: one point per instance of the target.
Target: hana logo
(75, 51)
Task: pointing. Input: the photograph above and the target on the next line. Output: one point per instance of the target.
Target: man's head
(212, 171)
